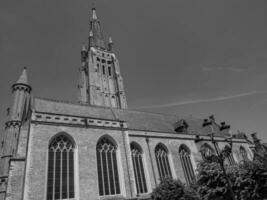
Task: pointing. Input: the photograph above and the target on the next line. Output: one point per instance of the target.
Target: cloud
(232, 69)
(222, 98)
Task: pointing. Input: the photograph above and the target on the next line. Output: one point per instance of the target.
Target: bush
(170, 189)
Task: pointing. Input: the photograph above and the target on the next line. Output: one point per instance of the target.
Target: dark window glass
(108, 177)
(109, 71)
(103, 69)
(60, 182)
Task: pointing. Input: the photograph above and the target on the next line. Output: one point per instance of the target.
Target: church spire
(94, 17)
(96, 32)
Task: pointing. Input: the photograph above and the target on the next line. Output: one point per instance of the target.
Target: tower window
(162, 161)
(107, 167)
(109, 71)
(60, 181)
(103, 61)
(97, 58)
(109, 62)
(103, 69)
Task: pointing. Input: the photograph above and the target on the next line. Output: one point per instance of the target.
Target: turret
(22, 97)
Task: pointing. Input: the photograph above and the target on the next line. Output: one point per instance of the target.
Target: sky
(183, 57)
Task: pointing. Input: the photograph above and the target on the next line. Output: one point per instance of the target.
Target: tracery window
(206, 151)
(231, 159)
(184, 154)
(139, 173)
(162, 161)
(107, 167)
(243, 153)
(60, 180)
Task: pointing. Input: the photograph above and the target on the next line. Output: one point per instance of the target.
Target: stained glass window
(137, 158)
(184, 154)
(107, 167)
(60, 181)
(162, 161)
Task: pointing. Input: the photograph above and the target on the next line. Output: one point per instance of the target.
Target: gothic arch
(64, 134)
(110, 138)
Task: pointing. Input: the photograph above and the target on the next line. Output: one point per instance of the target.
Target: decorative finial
(94, 14)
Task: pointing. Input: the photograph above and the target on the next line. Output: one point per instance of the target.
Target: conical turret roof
(23, 79)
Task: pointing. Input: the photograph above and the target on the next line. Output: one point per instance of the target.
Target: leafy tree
(170, 189)
(247, 181)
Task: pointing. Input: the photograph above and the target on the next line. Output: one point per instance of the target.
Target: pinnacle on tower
(83, 47)
(94, 14)
(91, 33)
(110, 44)
(23, 79)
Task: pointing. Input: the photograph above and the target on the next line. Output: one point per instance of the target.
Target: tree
(247, 181)
(170, 189)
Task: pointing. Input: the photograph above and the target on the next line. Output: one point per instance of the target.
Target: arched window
(184, 154)
(230, 158)
(60, 180)
(243, 153)
(139, 173)
(107, 167)
(206, 151)
(162, 161)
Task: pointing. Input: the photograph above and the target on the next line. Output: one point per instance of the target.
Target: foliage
(247, 181)
(211, 182)
(170, 189)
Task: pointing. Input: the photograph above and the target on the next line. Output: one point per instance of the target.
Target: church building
(96, 148)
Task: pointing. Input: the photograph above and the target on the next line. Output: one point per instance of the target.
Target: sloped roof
(136, 120)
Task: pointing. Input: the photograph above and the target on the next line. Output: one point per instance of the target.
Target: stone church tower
(101, 82)
(96, 148)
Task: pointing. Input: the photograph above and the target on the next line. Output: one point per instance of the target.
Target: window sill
(144, 196)
(112, 197)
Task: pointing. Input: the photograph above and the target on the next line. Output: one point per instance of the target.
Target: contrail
(206, 100)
